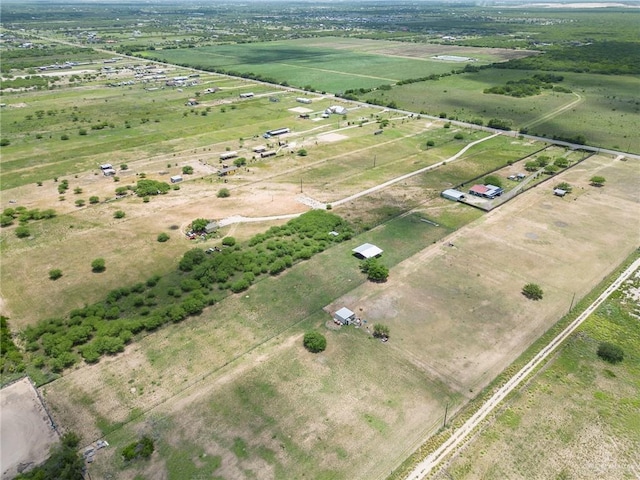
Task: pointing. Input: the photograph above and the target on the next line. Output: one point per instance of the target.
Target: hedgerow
(202, 279)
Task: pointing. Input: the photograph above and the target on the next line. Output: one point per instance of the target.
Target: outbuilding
(559, 192)
(452, 194)
(344, 316)
(367, 250)
(176, 179)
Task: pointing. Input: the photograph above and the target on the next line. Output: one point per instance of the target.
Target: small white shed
(344, 316)
(176, 179)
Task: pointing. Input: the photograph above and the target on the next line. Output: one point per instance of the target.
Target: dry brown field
(457, 319)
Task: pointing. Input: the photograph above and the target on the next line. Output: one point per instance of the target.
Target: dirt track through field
(458, 437)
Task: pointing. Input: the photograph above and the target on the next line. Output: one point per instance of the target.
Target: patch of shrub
(315, 342)
(610, 352)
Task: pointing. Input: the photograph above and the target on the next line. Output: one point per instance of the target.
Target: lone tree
(610, 352)
(162, 237)
(376, 272)
(597, 181)
(143, 448)
(381, 331)
(493, 180)
(532, 291)
(199, 224)
(98, 265)
(315, 342)
(223, 193)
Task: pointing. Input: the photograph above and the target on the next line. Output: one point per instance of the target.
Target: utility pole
(301, 185)
(572, 299)
(446, 410)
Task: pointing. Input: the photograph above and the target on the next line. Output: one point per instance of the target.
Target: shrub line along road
(459, 436)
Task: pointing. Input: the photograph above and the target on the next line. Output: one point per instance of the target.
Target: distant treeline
(609, 58)
(38, 56)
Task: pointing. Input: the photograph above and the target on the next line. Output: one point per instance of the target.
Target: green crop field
(324, 67)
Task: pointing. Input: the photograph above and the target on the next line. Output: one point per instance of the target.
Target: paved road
(432, 461)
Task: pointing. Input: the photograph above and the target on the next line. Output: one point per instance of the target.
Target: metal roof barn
(367, 250)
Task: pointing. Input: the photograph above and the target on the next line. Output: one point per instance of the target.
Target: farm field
(230, 391)
(603, 108)
(330, 64)
(578, 417)
(247, 362)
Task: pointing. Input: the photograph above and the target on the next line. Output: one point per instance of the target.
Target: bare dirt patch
(332, 137)
(26, 433)
(301, 110)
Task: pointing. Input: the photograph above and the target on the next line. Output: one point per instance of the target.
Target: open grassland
(339, 162)
(579, 417)
(328, 64)
(603, 108)
(457, 319)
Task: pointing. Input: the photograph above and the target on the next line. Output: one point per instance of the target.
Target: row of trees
(201, 280)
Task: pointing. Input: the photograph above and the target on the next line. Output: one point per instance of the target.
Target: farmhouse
(337, 109)
(227, 170)
(344, 316)
(176, 179)
(260, 149)
(451, 194)
(486, 191)
(367, 250)
(559, 192)
(303, 100)
(228, 155)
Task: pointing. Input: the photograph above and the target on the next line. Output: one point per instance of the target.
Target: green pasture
(323, 68)
(607, 114)
(134, 122)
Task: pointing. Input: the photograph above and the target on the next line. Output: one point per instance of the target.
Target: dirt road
(430, 464)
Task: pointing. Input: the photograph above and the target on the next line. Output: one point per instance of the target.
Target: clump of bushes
(315, 342)
(610, 352)
(143, 448)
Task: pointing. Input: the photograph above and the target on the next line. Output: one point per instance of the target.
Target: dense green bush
(315, 342)
(143, 448)
(610, 352)
(532, 291)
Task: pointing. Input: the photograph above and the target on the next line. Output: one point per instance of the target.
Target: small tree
(187, 170)
(532, 291)
(80, 202)
(493, 180)
(55, 274)
(199, 224)
(22, 232)
(431, 143)
(143, 448)
(223, 193)
(239, 162)
(228, 241)
(98, 265)
(315, 342)
(119, 214)
(458, 136)
(381, 331)
(124, 166)
(302, 152)
(93, 199)
(610, 352)
(163, 237)
(597, 180)
(376, 272)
